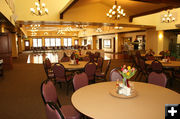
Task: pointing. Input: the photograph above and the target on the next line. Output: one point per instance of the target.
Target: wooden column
(94, 38)
(19, 44)
(14, 45)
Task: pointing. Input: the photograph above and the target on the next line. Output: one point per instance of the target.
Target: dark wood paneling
(6, 50)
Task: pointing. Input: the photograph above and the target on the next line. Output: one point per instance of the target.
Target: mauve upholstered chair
(156, 66)
(90, 69)
(102, 75)
(100, 61)
(65, 59)
(60, 75)
(80, 80)
(48, 70)
(53, 111)
(48, 93)
(114, 75)
(159, 79)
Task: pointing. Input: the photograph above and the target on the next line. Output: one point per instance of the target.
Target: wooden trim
(169, 2)
(62, 13)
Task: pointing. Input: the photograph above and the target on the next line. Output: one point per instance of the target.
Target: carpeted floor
(20, 90)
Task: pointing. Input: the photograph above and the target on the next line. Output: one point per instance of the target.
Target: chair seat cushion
(100, 74)
(51, 75)
(70, 112)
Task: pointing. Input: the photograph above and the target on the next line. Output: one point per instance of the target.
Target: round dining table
(96, 101)
(73, 67)
(166, 64)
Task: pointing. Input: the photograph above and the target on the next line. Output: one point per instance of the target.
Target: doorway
(100, 43)
(27, 45)
(114, 45)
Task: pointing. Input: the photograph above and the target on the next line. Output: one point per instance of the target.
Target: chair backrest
(114, 75)
(86, 58)
(149, 57)
(156, 66)
(80, 80)
(159, 79)
(142, 64)
(90, 69)
(47, 62)
(53, 111)
(65, 59)
(48, 92)
(100, 63)
(59, 72)
(108, 66)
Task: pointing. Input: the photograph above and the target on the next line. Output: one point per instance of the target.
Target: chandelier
(168, 18)
(116, 12)
(39, 9)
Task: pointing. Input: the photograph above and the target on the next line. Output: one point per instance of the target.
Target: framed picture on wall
(107, 43)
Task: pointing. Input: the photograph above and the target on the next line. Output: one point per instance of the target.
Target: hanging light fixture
(168, 18)
(39, 9)
(116, 12)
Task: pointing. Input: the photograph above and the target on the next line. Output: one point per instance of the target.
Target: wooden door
(100, 43)
(27, 45)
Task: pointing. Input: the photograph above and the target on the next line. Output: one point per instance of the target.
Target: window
(76, 42)
(67, 41)
(47, 42)
(37, 42)
(52, 42)
(58, 42)
(107, 43)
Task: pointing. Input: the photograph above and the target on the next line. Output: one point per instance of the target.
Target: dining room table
(69, 66)
(166, 64)
(96, 101)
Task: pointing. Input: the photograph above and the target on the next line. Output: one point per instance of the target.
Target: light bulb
(37, 4)
(165, 15)
(118, 16)
(124, 14)
(113, 12)
(122, 11)
(110, 10)
(173, 18)
(46, 10)
(119, 7)
(114, 6)
(43, 5)
(110, 16)
(107, 14)
(38, 8)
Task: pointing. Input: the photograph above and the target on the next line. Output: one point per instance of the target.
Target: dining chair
(90, 69)
(143, 69)
(60, 75)
(156, 66)
(100, 62)
(80, 80)
(115, 74)
(48, 69)
(86, 58)
(65, 59)
(48, 93)
(159, 79)
(102, 75)
(53, 111)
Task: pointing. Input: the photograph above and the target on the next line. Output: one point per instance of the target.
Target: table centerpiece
(125, 88)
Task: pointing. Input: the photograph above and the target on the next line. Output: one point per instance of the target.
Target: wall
(6, 11)
(107, 37)
(155, 20)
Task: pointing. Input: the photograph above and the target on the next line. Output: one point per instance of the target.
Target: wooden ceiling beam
(62, 13)
(169, 2)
